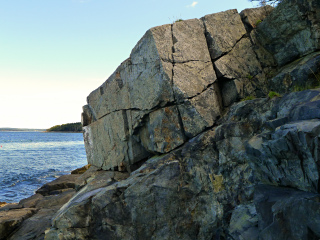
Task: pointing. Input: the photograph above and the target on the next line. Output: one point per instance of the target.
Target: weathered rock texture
(180, 77)
(255, 175)
(174, 152)
(29, 218)
(199, 160)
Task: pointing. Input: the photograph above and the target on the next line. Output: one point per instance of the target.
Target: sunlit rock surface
(185, 143)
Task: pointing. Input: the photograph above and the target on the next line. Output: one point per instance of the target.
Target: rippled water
(30, 159)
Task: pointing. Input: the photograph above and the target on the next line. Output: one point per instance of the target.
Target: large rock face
(253, 176)
(202, 163)
(180, 77)
(145, 107)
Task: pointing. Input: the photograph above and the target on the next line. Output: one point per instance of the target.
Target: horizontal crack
(181, 62)
(226, 53)
(118, 110)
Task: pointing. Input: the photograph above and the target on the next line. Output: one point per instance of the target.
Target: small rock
(63, 182)
(10, 220)
(81, 170)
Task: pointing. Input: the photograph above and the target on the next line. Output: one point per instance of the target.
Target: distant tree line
(68, 127)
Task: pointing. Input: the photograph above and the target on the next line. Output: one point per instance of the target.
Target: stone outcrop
(29, 218)
(243, 178)
(181, 77)
(178, 152)
(169, 116)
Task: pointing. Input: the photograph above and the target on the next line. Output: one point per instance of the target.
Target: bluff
(202, 163)
(177, 151)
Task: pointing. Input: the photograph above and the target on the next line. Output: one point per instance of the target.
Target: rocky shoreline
(29, 218)
(256, 182)
(209, 130)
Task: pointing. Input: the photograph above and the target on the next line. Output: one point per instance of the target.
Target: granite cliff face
(202, 163)
(178, 152)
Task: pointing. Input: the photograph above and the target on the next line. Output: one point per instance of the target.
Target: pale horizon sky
(53, 53)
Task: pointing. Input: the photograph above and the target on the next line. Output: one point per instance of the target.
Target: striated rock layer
(174, 152)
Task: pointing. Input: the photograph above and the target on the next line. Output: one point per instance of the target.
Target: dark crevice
(126, 130)
(226, 53)
(188, 139)
(209, 43)
(181, 125)
(246, 25)
(215, 70)
(205, 89)
(142, 63)
(174, 40)
(182, 62)
(119, 110)
(138, 164)
(254, 46)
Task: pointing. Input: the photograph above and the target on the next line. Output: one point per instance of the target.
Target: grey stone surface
(163, 131)
(189, 42)
(291, 30)
(140, 82)
(192, 78)
(252, 17)
(301, 74)
(223, 31)
(63, 182)
(34, 227)
(286, 213)
(243, 68)
(187, 159)
(285, 157)
(244, 222)
(219, 172)
(108, 142)
(10, 220)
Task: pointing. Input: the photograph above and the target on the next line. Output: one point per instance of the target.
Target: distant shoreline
(37, 130)
(21, 130)
(63, 131)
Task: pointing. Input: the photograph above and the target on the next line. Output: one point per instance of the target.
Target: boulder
(32, 201)
(34, 227)
(11, 220)
(122, 130)
(63, 182)
(81, 170)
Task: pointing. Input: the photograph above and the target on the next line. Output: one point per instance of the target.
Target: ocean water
(30, 159)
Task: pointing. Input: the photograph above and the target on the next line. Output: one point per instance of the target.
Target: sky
(53, 53)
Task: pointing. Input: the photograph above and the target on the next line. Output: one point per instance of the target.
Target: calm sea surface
(30, 159)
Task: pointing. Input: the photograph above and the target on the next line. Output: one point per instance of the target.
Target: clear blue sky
(53, 53)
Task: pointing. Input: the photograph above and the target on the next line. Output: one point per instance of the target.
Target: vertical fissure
(174, 95)
(217, 84)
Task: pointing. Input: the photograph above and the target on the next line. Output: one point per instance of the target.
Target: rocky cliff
(202, 163)
(204, 133)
